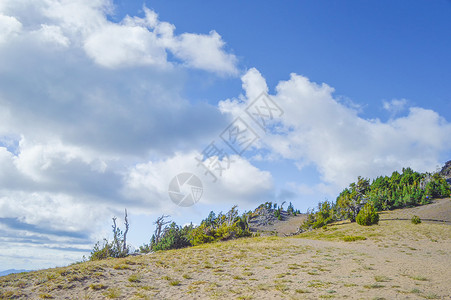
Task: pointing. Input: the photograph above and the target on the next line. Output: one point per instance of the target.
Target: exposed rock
(446, 171)
(262, 217)
(264, 221)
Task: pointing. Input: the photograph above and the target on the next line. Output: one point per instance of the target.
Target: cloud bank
(84, 103)
(317, 129)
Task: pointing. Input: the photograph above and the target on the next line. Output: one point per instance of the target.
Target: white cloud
(117, 46)
(241, 184)
(204, 52)
(133, 42)
(52, 34)
(395, 106)
(9, 27)
(319, 130)
(253, 84)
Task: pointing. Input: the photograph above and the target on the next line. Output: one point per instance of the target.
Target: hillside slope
(397, 260)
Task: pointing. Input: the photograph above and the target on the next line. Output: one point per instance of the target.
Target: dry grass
(397, 259)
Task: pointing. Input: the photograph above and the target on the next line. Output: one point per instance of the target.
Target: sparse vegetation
(113, 293)
(381, 278)
(373, 286)
(296, 268)
(174, 282)
(415, 219)
(419, 278)
(97, 286)
(134, 278)
(353, 238)
(257, 266)
(117, 247)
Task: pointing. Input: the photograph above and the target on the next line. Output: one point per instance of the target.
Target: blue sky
(103, 102)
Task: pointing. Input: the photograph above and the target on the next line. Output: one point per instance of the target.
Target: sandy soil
(397, 260)
(438, 211)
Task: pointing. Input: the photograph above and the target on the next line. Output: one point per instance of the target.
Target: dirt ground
(393, 260)
(438, 211)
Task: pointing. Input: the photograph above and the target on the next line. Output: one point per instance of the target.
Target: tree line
(168, 235)
(359, 202)
(399, 190)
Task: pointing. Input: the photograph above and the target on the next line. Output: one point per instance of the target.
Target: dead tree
(119, 239)
(281, 205)
(116, 237)
(231, 215)
(160, 222)
(124, 245)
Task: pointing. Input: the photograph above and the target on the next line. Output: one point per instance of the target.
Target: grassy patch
(380, 278)
(174, 283)
(112, 293)
(419, 278)
(281, 287)
(349, 284)
(353, 238)
(326, 296)
(134, 278)
(313, 272)
(121, 267)
(318, 284)
(431, 296)
(373, 286)
(245, 297)
(97, 286)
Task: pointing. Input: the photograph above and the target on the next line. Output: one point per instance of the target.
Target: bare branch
(124, 245)
(160, 222)
(116, 234)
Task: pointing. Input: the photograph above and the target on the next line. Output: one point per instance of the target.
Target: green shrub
(415, 219)
(323, 216)
(277, 214)
(221, 227)
(201, 234)
(101, 251)
(174, 237)
(367, 215)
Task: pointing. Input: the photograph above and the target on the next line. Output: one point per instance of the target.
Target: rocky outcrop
(446, 171)
(263, 217)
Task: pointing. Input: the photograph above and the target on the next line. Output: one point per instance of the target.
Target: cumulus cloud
(134, 41)
(56, 91)
(201, 51)
(253, 84)
(318, 130)
(240, 183)
(116, 46)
